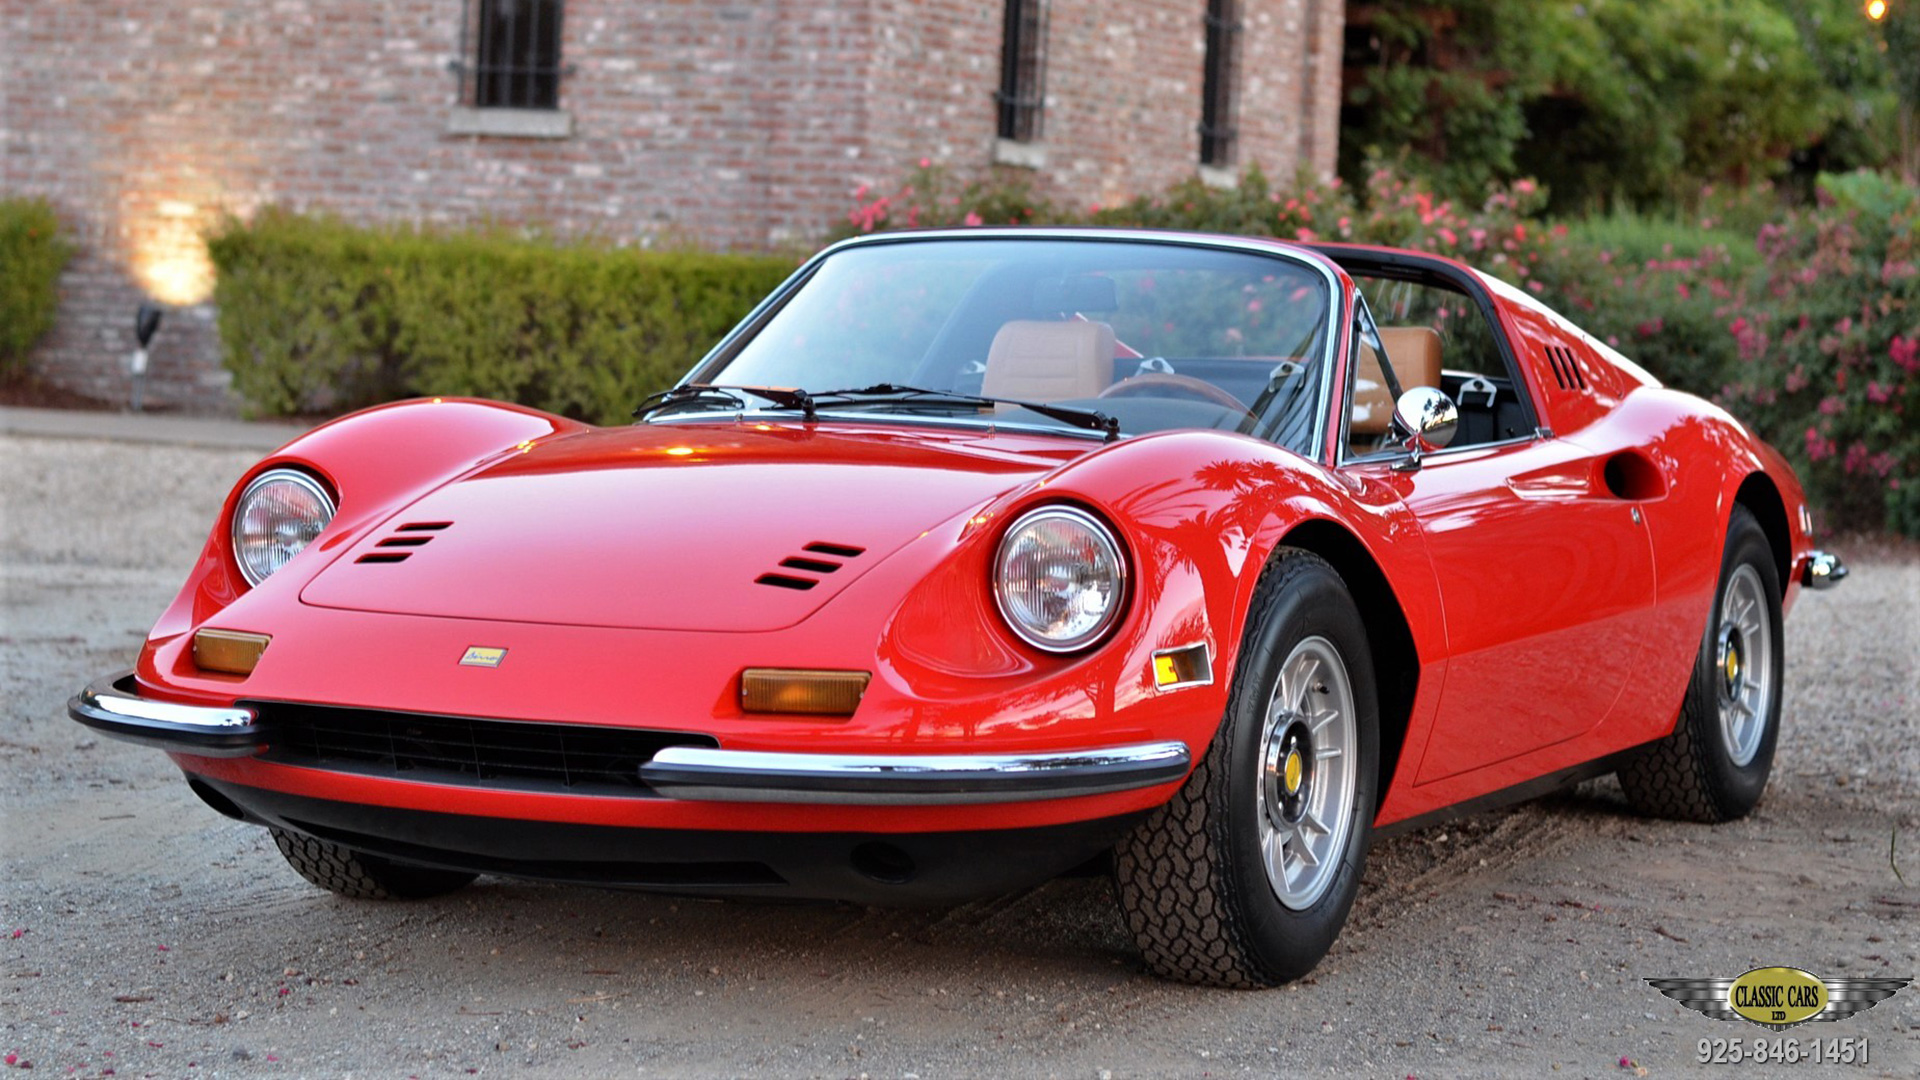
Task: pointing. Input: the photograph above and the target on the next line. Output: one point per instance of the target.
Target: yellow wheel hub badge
(1733, 664)
(1291, 772)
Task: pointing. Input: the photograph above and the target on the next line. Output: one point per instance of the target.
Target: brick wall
(737, 125)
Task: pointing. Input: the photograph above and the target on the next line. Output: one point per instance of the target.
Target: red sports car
(969, 558)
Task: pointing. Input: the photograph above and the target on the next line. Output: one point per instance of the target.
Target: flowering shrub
(1829, 349)
(929, 198)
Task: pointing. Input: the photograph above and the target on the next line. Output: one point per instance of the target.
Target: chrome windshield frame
(1302, 256)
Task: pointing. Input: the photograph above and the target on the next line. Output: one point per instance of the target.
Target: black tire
(1192, 880)
(1696, 773)
(362, 876)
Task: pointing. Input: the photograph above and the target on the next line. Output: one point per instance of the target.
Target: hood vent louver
(820, 558)
(398, 546)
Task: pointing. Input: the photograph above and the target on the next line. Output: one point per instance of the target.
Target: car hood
(693, 526)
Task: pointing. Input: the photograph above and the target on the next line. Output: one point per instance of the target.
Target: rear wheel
(360, 875)
(1245, 877)
(1715, 764)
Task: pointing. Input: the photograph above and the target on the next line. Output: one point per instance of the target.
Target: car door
(1546, 577)
(1545, 573)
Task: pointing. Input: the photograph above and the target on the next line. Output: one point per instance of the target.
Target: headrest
(1414, 352)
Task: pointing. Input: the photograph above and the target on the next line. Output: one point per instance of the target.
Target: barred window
(511, 54)
(1218, 133)
(1023, 62)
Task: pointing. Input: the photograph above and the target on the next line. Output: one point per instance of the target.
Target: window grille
(510, 54)
(1218, 133)
(1023, 82)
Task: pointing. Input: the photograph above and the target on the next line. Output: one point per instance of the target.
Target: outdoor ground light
(146, 323)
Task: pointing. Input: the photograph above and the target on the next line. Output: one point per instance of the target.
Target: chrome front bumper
(1823, 570)
(112, 706)
(697, 773)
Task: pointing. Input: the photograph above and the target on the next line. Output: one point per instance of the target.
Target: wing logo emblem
(1778, 998)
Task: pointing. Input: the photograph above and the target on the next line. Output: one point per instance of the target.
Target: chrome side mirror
(1428, 419)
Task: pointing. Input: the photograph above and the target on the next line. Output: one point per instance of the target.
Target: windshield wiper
(1089, 419)
(808, 403)
(712, 394)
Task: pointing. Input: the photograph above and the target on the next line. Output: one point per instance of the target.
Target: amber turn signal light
(793, 690)
(233, 652)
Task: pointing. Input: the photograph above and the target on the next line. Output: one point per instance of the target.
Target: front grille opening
(423, 526)
(785, 581)
(817, 566)
(511, 754)
(842, 551)
(379, 557)
(404, 541)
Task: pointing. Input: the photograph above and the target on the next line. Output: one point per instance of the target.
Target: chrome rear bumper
(1822, 570)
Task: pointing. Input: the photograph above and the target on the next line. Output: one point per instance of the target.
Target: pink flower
(1831, 406)
(1681, 288)
(926, 163)
(971, 219)
(1304, 235)
(1904, 351)
(1878, 394)
(1447, 237)
(1253, 305)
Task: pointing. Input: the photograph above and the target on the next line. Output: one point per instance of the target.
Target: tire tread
(1171, 885)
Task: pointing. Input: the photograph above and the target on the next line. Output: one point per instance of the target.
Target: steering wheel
(1167, 384)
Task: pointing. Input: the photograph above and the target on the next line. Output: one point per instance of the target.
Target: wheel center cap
(1293, 771)
(1730, 663)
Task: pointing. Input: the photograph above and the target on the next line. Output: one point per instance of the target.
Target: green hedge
(316, 314)
(32, 254)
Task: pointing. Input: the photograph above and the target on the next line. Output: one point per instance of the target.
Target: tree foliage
(1641, 101)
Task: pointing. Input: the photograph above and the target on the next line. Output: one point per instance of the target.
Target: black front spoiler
(870, 868)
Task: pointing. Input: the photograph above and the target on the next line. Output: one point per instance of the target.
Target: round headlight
(1059, 579)
(279, 513)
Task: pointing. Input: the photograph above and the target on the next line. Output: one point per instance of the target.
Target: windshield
(1144, 335)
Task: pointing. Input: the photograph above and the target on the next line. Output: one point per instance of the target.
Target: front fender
(376, 461)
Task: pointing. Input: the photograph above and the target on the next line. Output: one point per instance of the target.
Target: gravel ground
(143, 935)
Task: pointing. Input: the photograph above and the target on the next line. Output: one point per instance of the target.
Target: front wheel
(362, 876)
(1715, 764)
(1245, 877)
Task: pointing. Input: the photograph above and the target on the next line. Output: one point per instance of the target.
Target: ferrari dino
(969, 558)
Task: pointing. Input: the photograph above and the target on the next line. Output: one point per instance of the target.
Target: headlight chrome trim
(1106, 536)
(279, 474)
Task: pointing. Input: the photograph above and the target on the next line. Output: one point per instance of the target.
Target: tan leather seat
(1414, 352)
(1049, 361)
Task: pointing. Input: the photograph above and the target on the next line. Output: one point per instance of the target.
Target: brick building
(740, 125)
